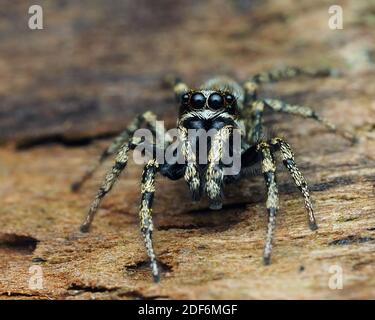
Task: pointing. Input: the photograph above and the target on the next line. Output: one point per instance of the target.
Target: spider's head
(207, 109)
(210, 116)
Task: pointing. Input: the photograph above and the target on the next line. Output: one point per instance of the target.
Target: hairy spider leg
(251, 85)
(269, 172)
(254, 124)
(306, 112)
(268, 167)
(111, 177)
(109, 180)
(299, 180)
(289, 73)
(179, 87)
(145, 213)
(149, 118)
(250, 92)
(251, 88)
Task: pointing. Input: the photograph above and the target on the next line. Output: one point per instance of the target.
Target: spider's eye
(185, 98)
(197, 100)
(215, 101)
(229, 98)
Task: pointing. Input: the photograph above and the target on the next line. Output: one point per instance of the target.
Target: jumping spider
(223, 104)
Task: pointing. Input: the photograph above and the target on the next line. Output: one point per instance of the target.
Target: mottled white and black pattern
(224, 105)
(299, 180)
(272, 204)
(145, 212)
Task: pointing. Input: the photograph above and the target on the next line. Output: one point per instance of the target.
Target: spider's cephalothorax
(214, 108)
(223, 105)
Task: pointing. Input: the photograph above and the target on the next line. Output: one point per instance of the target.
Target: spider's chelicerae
(223, 104)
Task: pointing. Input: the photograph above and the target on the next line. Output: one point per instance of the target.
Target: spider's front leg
(268, 169)
(145, 213)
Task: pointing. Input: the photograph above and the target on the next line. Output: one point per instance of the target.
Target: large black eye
(229, 98)
(215, 101)
(197, 100)
(185, 98)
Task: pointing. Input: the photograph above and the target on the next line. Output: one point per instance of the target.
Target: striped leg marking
(299, 180)
(251, 91)
(255, 125)
(109, 180)
(148, 117)
(268, 169)
(306, 112)
(145, 213)
(214, 172)
(289, 73)
(191, 176)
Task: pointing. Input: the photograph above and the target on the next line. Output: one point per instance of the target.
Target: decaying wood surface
(96, 65)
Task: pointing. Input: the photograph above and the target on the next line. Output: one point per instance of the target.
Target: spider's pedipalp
(191, 175)
(145, 213)
(269, 172)
(299, 179)
(214, 172)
